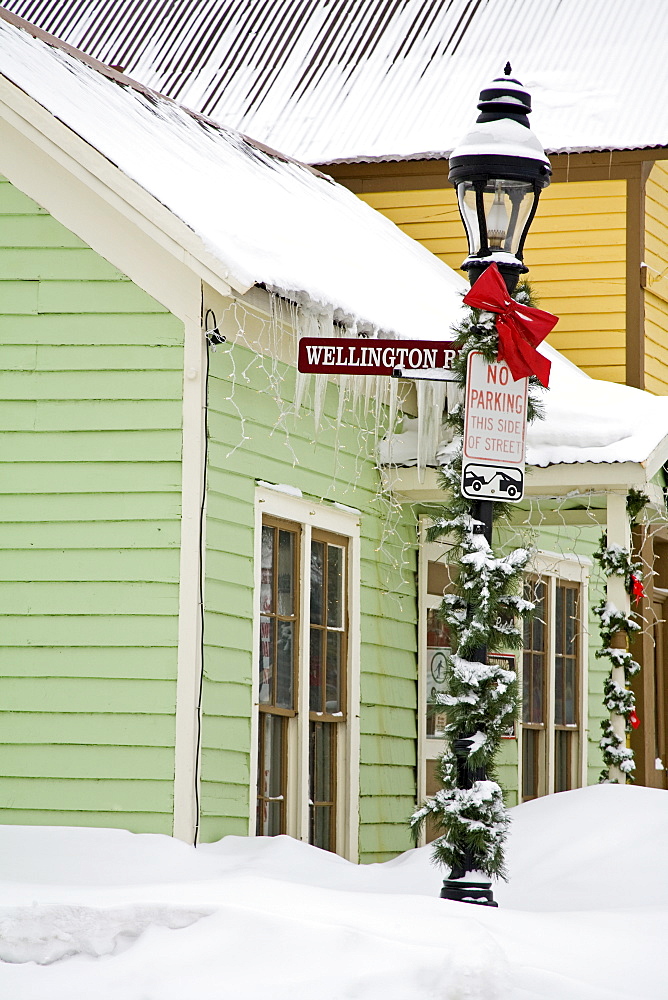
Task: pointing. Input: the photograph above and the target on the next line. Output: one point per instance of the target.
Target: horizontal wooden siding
(575, 251)
(91, 482)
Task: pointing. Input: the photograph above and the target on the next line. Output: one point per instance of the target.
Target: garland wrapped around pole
(484, 614)
(616, 628)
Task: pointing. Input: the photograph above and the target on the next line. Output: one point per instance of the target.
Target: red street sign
(345, 356)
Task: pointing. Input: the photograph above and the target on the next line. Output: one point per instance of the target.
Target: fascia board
(656, 459)
(108, 181)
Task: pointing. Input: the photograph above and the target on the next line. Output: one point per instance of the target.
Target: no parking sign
(495, 420)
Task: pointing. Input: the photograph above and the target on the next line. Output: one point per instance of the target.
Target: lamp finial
(507, 69)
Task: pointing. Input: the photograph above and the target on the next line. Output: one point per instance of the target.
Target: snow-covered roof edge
(253, 216)
(587, 422)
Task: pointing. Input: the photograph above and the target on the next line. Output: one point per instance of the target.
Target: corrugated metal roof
(249, 215)
(328, 80)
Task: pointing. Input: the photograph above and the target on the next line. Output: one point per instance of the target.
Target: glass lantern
(499, 170)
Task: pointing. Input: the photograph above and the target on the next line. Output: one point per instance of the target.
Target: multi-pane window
(327, 658)
(534, 683)
(565, 686)
(279, 622)
(551, 680)
(302, 682)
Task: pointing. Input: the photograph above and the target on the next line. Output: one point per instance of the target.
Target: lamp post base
(468, 892)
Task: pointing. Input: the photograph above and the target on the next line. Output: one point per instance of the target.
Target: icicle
(320, 393)
(305, 326)
(380, 399)
(275, 323)
(422, 389)
(358, 392)
(431, 400)
(453, 395)
(438, 405)
(343, 396)
(369, 393)
(302, 380)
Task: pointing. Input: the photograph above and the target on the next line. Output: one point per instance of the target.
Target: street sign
(369, 356)
(494, 431)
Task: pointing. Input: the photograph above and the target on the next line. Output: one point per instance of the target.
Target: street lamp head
(499, 169)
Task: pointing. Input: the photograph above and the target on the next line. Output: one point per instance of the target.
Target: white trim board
(106, 209)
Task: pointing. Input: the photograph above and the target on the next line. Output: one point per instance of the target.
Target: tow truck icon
(492, 481)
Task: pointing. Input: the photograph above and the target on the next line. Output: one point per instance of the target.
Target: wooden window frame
(555, 570)
(538, 729)
(324, 717)
(271, 707)
(338, 525)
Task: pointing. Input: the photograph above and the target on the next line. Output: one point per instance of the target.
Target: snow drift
(110, 914)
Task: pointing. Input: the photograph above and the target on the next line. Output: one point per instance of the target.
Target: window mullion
(550, 681)
(583, 678)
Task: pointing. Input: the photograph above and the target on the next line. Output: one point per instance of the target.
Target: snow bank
(118, 916)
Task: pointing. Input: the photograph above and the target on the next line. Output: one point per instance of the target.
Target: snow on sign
(495, 423)
(370, 356)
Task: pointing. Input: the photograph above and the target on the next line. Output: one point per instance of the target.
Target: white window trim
(550, 567)
(277, 502)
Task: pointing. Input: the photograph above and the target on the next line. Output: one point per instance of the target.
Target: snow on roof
(266, 219)
(120, 916)
(326, 80)
(586, 420)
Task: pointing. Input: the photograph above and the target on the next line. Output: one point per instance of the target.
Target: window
(553, 677)
(434, 579)
(305, 663)
(327, 661)
(534, 681)
(278, 669)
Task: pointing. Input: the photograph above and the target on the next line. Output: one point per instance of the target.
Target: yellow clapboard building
(597, 250)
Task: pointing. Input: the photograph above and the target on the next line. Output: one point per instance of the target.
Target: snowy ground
(99, 914)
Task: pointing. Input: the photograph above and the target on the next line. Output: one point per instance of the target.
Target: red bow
(637, 588)
(521, 328)
(633, 719)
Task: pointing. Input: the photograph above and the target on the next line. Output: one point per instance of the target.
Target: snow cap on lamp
(499, 169)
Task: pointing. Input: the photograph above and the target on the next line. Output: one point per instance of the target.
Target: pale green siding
(238, 456)
(91, 480)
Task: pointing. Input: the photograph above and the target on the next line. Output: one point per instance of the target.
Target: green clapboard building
(210, 603)
(217, 607)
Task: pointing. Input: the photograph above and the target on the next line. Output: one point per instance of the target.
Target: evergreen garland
(481, 698)
(616, 560)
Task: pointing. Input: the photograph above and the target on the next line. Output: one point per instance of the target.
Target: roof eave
(411, 485)
(658, 151)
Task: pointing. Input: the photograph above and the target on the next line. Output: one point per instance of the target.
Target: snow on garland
(484, 611)
(615, 629)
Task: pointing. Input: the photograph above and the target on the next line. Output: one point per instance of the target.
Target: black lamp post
(499, 170)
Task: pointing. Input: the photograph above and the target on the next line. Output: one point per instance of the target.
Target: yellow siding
(575, 250)
(656, 292)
